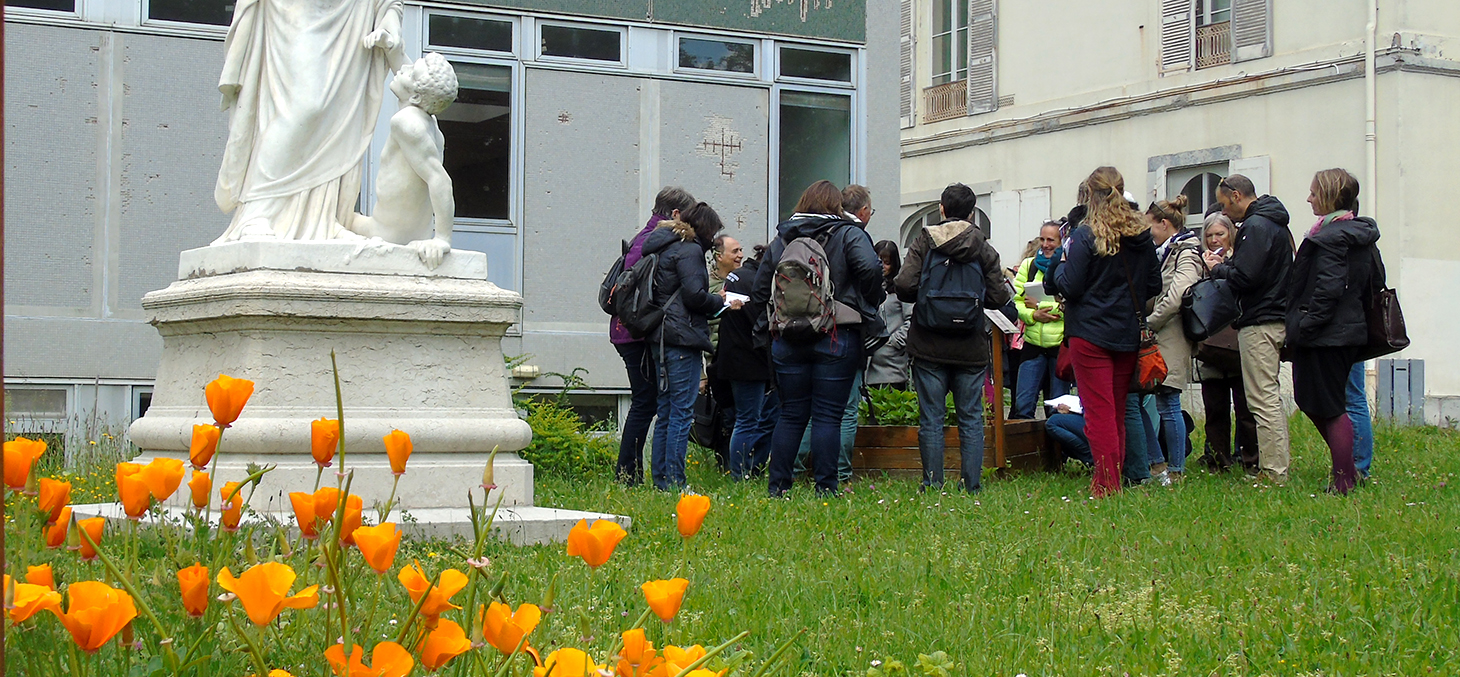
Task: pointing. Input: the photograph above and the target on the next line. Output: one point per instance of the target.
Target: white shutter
(1251, 29)
(1178, 35)
(1259, 169)
(1003, 211)
(906, 92)
(983, 91)
(1034, 206)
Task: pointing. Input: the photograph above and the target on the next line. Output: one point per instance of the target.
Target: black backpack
(605, 288)
(632, 297)
(950, 295)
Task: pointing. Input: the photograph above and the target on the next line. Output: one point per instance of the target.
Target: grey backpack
(803, 305)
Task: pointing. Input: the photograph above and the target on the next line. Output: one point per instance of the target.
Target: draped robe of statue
(308, 96)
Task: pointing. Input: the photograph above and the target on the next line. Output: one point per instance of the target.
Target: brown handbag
(1387, 333)
(1150, 370)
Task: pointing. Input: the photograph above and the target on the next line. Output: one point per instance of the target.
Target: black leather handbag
(1208, 307)
(1387, 332)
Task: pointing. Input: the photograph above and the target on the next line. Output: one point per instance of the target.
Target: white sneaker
(1163, 478)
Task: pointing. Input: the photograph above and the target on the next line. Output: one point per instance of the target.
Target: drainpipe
(1371, 124)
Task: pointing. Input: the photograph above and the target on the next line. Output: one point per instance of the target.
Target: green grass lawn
(1211, 577)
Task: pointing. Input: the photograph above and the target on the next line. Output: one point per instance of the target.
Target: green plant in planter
(892, 407)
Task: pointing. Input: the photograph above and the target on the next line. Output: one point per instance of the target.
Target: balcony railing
(1214, 44)
(945, 102)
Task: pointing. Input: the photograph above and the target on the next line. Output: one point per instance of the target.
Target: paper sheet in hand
(1034, 291)
(732, 296)
(1000, 321)
(1071, 401)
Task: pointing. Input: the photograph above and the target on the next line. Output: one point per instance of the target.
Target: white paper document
(732, 296)
(1034, 291)
(1001, 321)
(1071, 401)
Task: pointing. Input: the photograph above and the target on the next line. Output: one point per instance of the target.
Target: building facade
(571, 116)
(1021, 100)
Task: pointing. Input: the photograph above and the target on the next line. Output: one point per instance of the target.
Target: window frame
(1203, 17)
(856, 142)
(853, 71)
(623, 44)
(77, 12)
(144, 10)
(954, 32)
(757, 46)
(450, 51)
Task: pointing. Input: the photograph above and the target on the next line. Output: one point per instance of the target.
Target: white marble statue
(304, 80)
(414, 204)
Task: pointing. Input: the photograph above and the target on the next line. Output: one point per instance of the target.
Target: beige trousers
(1261, 364)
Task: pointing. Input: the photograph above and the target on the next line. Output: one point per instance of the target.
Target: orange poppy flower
(378, 545)
(96, 613)
(664, 597)
(638, 655)
(303, 505)
(204, 445)
(444, 643)
(387, 660)
(20, 455)
(264, 591)
(56, 533)
(232, 507)
(326, 499)
(504, 629)
(226, 396)
(398, 448)
(193, 581)
(324, 440)
(136, 499)
(594, 544)
(41, 574)
(438, 598)
(93, 526)
(354, 505)
(692, 509)
(54, 496)
(201, 485)
(28, 599)
(674, 660)
(568, 662)
(163, 476)
(127, 468)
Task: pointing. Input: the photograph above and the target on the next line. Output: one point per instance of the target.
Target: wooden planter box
(894, 449)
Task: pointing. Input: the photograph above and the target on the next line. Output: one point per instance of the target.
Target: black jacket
(682, 269)
(737, 358)
(1331, 279)
(856, 271)
(1098, 297)
(1262, 257)
(962, 242)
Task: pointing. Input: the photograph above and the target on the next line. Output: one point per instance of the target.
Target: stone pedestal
(418, 350)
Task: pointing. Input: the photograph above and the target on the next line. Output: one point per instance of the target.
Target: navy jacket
(1098, 303)
(1262, 256)
(682, 269)
(1331, 281)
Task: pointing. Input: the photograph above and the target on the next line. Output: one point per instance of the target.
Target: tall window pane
(478, 131)
(213, 12)
(460, 31)
(816, 143)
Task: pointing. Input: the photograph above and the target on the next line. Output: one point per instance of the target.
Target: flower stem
(253, 648)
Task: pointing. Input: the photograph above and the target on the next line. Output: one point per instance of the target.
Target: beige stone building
(1021, 99)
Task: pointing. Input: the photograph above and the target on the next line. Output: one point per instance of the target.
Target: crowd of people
(788, 337)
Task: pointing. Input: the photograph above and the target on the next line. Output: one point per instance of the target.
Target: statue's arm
(386, 37)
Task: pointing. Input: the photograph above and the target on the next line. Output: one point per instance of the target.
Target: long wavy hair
(1109, 214)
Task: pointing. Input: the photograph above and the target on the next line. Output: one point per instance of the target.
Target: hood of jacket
(667, 233)
(1359, 232)
(958, 240)
(810, 225)
(1269, 208)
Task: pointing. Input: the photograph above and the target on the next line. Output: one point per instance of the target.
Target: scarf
(1042, 262)
(1341, 215)
(1164, 251)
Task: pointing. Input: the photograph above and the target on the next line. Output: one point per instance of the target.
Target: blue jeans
(849, 436)
(1172, 432)
(1036, 373)
(814, 380)
(1140, 434)
(1358, 412)
(756, 410)
(933, 382)
(1068, 431)
(677, 392)
(642, 371)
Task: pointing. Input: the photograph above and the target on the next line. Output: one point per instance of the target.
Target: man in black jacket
(1257, 273)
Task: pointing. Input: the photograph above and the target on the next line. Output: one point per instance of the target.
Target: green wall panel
(833, 19)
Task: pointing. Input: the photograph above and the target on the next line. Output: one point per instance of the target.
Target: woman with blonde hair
(1221, 382)
(1326, 327)
(1106, 276)
(1181, 266)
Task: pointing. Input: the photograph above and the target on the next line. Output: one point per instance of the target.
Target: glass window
(36, 402)
(950, 41)
(717, 55)
(581, 43)
(57, 5)
(816, 143)
(1201, 194)
(460, 31)
(501, 251)
(1210, 12)
(212, 12)
(816, 64)
(478, 131)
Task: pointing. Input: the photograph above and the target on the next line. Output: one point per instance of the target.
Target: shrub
(562, 445)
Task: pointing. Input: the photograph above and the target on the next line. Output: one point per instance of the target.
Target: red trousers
(1103, 378)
